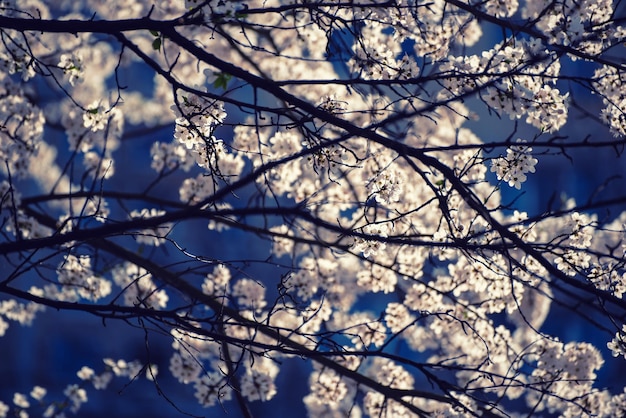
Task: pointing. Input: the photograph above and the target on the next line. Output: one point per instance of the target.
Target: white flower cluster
(22, 128)
(576, 258)
(217, 282)
(497, 8)
(199, 361)
(480, 280)
(170, 156)
(513, 168)
(196, 120)
(387, 187)
(99, 381)
(330, 104)
(95, 116)
(282, 245)
(98, 127)
(571, 261)
(391, 375)
(618, 344)
(115, 368)
(375, 63)
(524, 94)
(72, 66)
(609, 83)
(574, 364)
(249, 294)
(371, 247)
(191, 352)
(138, 287)
(95, 133)
(217, 9)
(433, 30)
(310, 276)
(196, 189)
(74, 395)
(607, 278)
(22, 403)
(258, 383)
(397, 317)
(363, 329)
(22, 313)
(75, 275)
(212, 388)
(377, 279)
(153, 236)
(283, 178)
(185, 367)
(303, 282)
(284, 144)
(194, 142)
(15, 59)
(570, 22)
(330, 394)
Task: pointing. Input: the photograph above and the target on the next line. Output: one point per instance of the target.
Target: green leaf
(222, 80)
(155, 33)
(156, 44)
(92, 111)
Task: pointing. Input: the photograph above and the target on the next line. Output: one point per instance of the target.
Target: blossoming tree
(273, 184)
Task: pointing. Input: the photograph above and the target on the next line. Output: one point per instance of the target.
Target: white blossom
(514, 167)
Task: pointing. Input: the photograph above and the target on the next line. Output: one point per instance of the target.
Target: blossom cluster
(138, 287)
(369, 63)
(153, 236)
(76, 276)
(74, 395)
(517, 80)
(22, 128)
(609, 83)
(513, 167)
(569, 23)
